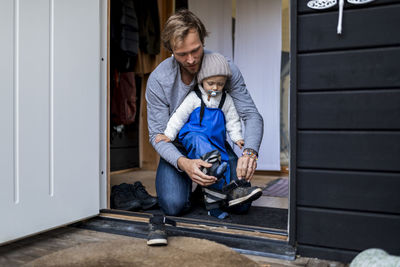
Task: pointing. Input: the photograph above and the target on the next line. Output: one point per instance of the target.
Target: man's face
(189, 52)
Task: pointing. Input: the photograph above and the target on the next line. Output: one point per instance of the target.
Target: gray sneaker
(240, 191)
(157, 235)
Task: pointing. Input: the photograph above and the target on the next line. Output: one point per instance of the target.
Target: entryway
(268, 215)
(269, 211)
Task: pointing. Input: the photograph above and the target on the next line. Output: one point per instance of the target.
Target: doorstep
(248, 240)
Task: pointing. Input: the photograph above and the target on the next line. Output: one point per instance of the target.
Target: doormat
(181, 251)
(256, 216)
(277, 188)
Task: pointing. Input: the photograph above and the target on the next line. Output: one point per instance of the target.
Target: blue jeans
(174, 188)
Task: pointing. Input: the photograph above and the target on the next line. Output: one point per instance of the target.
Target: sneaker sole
(149, 206)
(253, 196)
(157, 242)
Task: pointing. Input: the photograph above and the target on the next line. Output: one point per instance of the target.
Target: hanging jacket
(149, 26)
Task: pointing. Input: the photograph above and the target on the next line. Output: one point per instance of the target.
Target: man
(167, 87)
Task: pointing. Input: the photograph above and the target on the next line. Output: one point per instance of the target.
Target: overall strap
(198, 93)
(221, 103)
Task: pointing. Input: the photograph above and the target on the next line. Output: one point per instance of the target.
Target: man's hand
(240, 143)
(246, 166)
(192, 168)
(162, 137)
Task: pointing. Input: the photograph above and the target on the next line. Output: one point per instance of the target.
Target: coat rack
(325, 4)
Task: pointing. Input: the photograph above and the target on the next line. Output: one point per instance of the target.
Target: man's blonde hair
(178, 27)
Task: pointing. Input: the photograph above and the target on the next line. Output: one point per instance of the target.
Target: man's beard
(189, 70)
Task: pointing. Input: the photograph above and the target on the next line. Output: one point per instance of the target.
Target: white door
(49, 114)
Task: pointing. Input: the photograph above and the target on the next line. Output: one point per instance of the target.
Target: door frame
(292, 122)
(104, 178)
(105, 117)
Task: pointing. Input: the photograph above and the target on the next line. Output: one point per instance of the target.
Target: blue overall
(205, 131)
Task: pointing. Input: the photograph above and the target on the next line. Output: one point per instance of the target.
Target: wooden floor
(148, 180)
(28, 249)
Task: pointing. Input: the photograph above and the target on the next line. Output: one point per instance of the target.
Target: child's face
(214, 83)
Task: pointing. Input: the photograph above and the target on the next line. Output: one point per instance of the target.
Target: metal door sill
(248, 240)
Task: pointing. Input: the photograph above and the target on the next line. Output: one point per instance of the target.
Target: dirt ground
(68, 246)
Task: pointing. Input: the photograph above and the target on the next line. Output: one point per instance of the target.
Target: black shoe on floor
(146, 201)
(240, 191)
(157, 235)
(122, 198)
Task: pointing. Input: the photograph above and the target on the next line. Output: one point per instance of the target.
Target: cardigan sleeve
(157, 118)
(233, 124)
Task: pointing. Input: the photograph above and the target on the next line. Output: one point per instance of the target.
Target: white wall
(257, 52)
(258, 45)
(217, 18)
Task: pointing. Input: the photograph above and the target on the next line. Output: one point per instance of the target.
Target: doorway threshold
(247, 240)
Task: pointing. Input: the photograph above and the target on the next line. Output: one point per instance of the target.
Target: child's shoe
(218, 168)
(219, 172)
(240, 191)
(213, 198)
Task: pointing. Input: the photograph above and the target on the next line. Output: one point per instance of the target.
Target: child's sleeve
(180, 116)
(233, 124)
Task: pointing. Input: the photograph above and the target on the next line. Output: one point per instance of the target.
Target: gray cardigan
(165, 91)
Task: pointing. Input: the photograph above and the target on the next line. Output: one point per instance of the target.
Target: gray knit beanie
(213, 64)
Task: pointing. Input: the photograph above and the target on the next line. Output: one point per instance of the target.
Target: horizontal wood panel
(379, 151)
(302, 6)
(361, 28)
(359, 69)
(340, 255)
(364, 191)
(348, 230)
(349, 110)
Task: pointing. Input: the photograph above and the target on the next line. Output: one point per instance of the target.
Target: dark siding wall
(347, 125)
